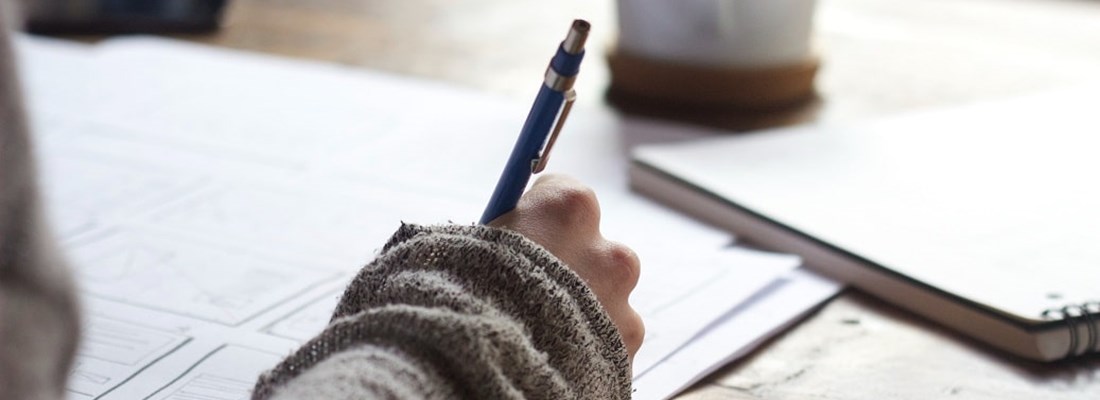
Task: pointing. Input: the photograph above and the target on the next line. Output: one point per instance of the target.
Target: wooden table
(879, 57)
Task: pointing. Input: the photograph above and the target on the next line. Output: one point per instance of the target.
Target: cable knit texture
(460, 312)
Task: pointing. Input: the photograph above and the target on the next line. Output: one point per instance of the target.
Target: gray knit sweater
(460, 312)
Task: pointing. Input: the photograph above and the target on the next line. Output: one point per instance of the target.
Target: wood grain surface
(878, 58)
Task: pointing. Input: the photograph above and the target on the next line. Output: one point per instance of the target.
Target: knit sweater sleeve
(460, 312)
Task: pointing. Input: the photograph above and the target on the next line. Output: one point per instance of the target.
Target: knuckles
(574, 206)
(633, 332)
(623, 265)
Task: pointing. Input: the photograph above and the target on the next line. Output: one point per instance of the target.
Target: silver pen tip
(574, 41)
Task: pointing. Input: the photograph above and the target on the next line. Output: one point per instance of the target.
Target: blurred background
(877, 57)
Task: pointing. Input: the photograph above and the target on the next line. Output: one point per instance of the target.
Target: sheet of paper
(214, 203)
(708, 285)
(737, 333)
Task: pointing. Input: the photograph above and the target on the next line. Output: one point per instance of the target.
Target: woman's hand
(563, 216)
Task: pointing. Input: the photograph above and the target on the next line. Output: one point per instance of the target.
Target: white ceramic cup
(733, 33)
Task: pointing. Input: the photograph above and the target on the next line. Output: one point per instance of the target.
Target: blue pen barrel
(536, 129)
(516, 174)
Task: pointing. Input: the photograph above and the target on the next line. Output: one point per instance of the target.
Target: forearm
(474, 312)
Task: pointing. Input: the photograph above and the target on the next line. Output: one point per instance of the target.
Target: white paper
(226, 373)
(739, 332)
(682, 294)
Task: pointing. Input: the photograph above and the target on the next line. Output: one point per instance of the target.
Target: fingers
(619, 272)
(619, 265)
(632, 329)
(612, 272)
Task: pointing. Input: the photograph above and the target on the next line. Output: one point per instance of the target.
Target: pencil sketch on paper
(227, 373)
(112, 351)
(306, 322)
(211, 283)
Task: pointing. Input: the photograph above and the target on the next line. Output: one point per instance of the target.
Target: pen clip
(539, 164)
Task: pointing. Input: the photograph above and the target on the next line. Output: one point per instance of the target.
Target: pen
(546, 117)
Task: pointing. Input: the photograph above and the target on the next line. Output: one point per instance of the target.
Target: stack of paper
(215, 203)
